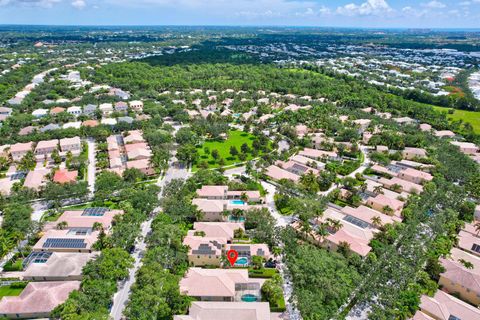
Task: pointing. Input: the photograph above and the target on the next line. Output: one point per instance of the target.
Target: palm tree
(376, 222)
(97, 226)
(477, 227)
(334, 225)
(344, 248)
(387, 210)
(322, 231)
(244, 197)
(237, 214)
(62, 225)
(396, 187)
(276, 251)
(378, 190)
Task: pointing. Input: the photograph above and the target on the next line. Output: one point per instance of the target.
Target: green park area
(472, 117)
(236, 148)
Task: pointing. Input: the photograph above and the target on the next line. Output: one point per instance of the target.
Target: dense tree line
(102, 274)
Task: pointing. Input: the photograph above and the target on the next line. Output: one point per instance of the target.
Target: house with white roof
(74, 111)
(40, 113)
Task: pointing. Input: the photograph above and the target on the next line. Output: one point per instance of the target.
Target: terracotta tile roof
(38, 297)
(203, 310)
(443, 305)
(65, 176)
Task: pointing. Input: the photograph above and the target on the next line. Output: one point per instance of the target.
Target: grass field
(473, 117)
(7, 291)
(235, 138)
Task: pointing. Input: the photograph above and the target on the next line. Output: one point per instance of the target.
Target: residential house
(301, 130)
(445, 134)
(217, 229)
(78, 234)
(44, 149)
(19, 150)
(381, 202)
(40, 113)
(90, 123)
(222, 193)
(74, 145)
(219, 284)
(36, 179)
(296, 168)
(50, 127)
(319, 154)
(63, 176)
(203, 310)
(125, 119)
(109, 121)
(75, 111)
(106, 109)
(412, 153)
(402, 185)
(466, 147)
(89, 109)
(143, 165)
(73, 124)
(27, 130)
(277, 173)
(121, 107)
(469, 240)
(405, 121)
(460, 280)
(138, 151)
(415, 176)
(425, 127)
(136, 105)
(4, 111)
(443, 306)
(55, 266)
(37, 300)
(248, 250)
(204, 251)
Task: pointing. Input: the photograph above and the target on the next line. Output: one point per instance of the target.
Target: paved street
(91, 166)
(292, 312)
(121, 297)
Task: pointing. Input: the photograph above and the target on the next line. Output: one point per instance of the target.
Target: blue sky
(341, 13)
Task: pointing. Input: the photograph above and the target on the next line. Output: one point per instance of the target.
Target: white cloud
(30, 3)
(434, 4)
(79, 4)
(370, 7)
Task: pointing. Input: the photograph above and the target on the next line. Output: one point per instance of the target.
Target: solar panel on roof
(94, 212)
(359, 223)
(64, 243)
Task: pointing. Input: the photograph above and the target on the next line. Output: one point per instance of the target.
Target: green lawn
(15, 264)
(262, 273)
(235, 138)
(6, 291)
(473, 117)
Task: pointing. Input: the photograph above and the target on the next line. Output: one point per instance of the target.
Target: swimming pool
(233, 219)
(237, 202)
(249, 298)
(241, 262)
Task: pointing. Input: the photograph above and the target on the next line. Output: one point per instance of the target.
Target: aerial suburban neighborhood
(239, 173)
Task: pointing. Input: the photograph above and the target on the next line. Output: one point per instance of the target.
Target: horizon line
(239, 26)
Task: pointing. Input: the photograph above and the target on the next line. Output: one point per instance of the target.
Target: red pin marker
(232, 256)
